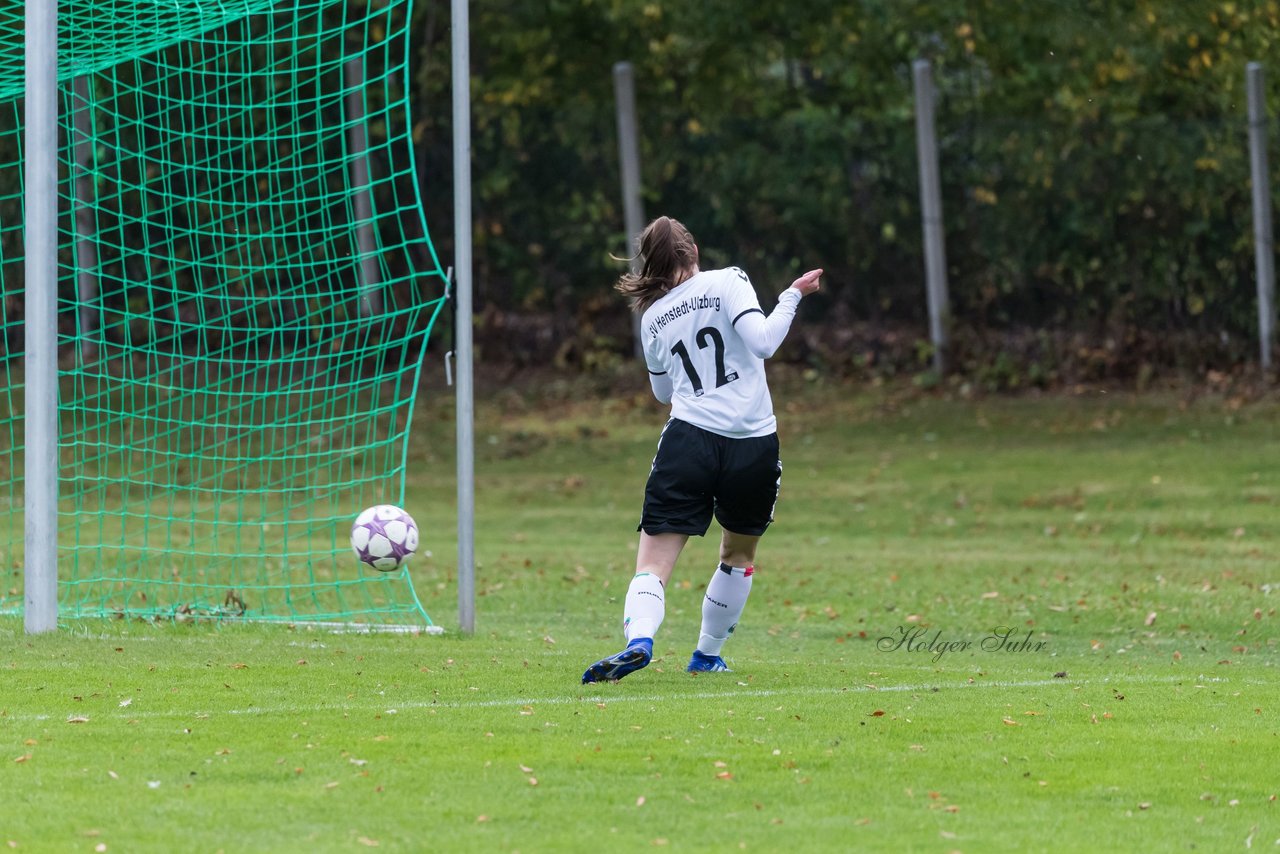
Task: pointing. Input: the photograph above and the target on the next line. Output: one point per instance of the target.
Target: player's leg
(725, 600)
(645, 605)
(677, 504)
(748, 493)
(738, 549)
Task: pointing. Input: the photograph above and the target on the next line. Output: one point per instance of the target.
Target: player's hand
(808, 283)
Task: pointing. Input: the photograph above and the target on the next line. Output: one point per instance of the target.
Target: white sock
(645, 607)
(722, 607)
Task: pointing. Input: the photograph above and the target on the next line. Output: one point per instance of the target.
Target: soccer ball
(384, 537)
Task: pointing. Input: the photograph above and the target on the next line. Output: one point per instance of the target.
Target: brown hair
(667, 257)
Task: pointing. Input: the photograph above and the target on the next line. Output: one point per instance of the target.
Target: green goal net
(246, 288)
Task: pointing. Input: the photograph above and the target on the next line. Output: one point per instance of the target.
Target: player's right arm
(763, 335)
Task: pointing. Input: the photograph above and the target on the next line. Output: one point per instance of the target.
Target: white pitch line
(392, 708)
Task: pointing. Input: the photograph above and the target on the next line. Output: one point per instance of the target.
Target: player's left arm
(763, 335)
(662, 386)
(659, 377)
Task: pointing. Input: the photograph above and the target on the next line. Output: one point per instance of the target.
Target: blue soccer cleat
(703, 663)
(638, 654)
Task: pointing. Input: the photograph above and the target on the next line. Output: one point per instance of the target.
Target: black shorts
(697, 474)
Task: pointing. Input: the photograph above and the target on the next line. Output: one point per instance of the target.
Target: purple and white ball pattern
(384, 537)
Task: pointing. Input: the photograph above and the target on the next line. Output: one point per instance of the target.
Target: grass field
(1010, 624)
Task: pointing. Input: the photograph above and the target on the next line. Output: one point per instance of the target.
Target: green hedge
(1094, 154)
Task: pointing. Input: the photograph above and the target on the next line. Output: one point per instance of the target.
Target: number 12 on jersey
(706, 336)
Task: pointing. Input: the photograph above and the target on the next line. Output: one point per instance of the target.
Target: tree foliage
(1094, 154)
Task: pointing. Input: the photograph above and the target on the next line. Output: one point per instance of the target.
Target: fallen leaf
(640, 801)
(364, 840)
(1151, 619)
(1010, 722)
(878, 713)
(23, 758)
(78, 720)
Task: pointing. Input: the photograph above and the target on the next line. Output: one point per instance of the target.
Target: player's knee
(737, 557)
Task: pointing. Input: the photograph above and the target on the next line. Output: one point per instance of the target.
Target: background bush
(1094, 154)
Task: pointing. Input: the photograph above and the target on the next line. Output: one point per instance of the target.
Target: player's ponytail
(667, 256)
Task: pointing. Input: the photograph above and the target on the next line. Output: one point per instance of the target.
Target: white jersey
(708, 338)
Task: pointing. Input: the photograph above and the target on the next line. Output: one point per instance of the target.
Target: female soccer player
(705, 342)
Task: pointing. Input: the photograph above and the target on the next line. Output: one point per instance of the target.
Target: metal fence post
(935, 256)
(1263, 241)
(624, 88)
